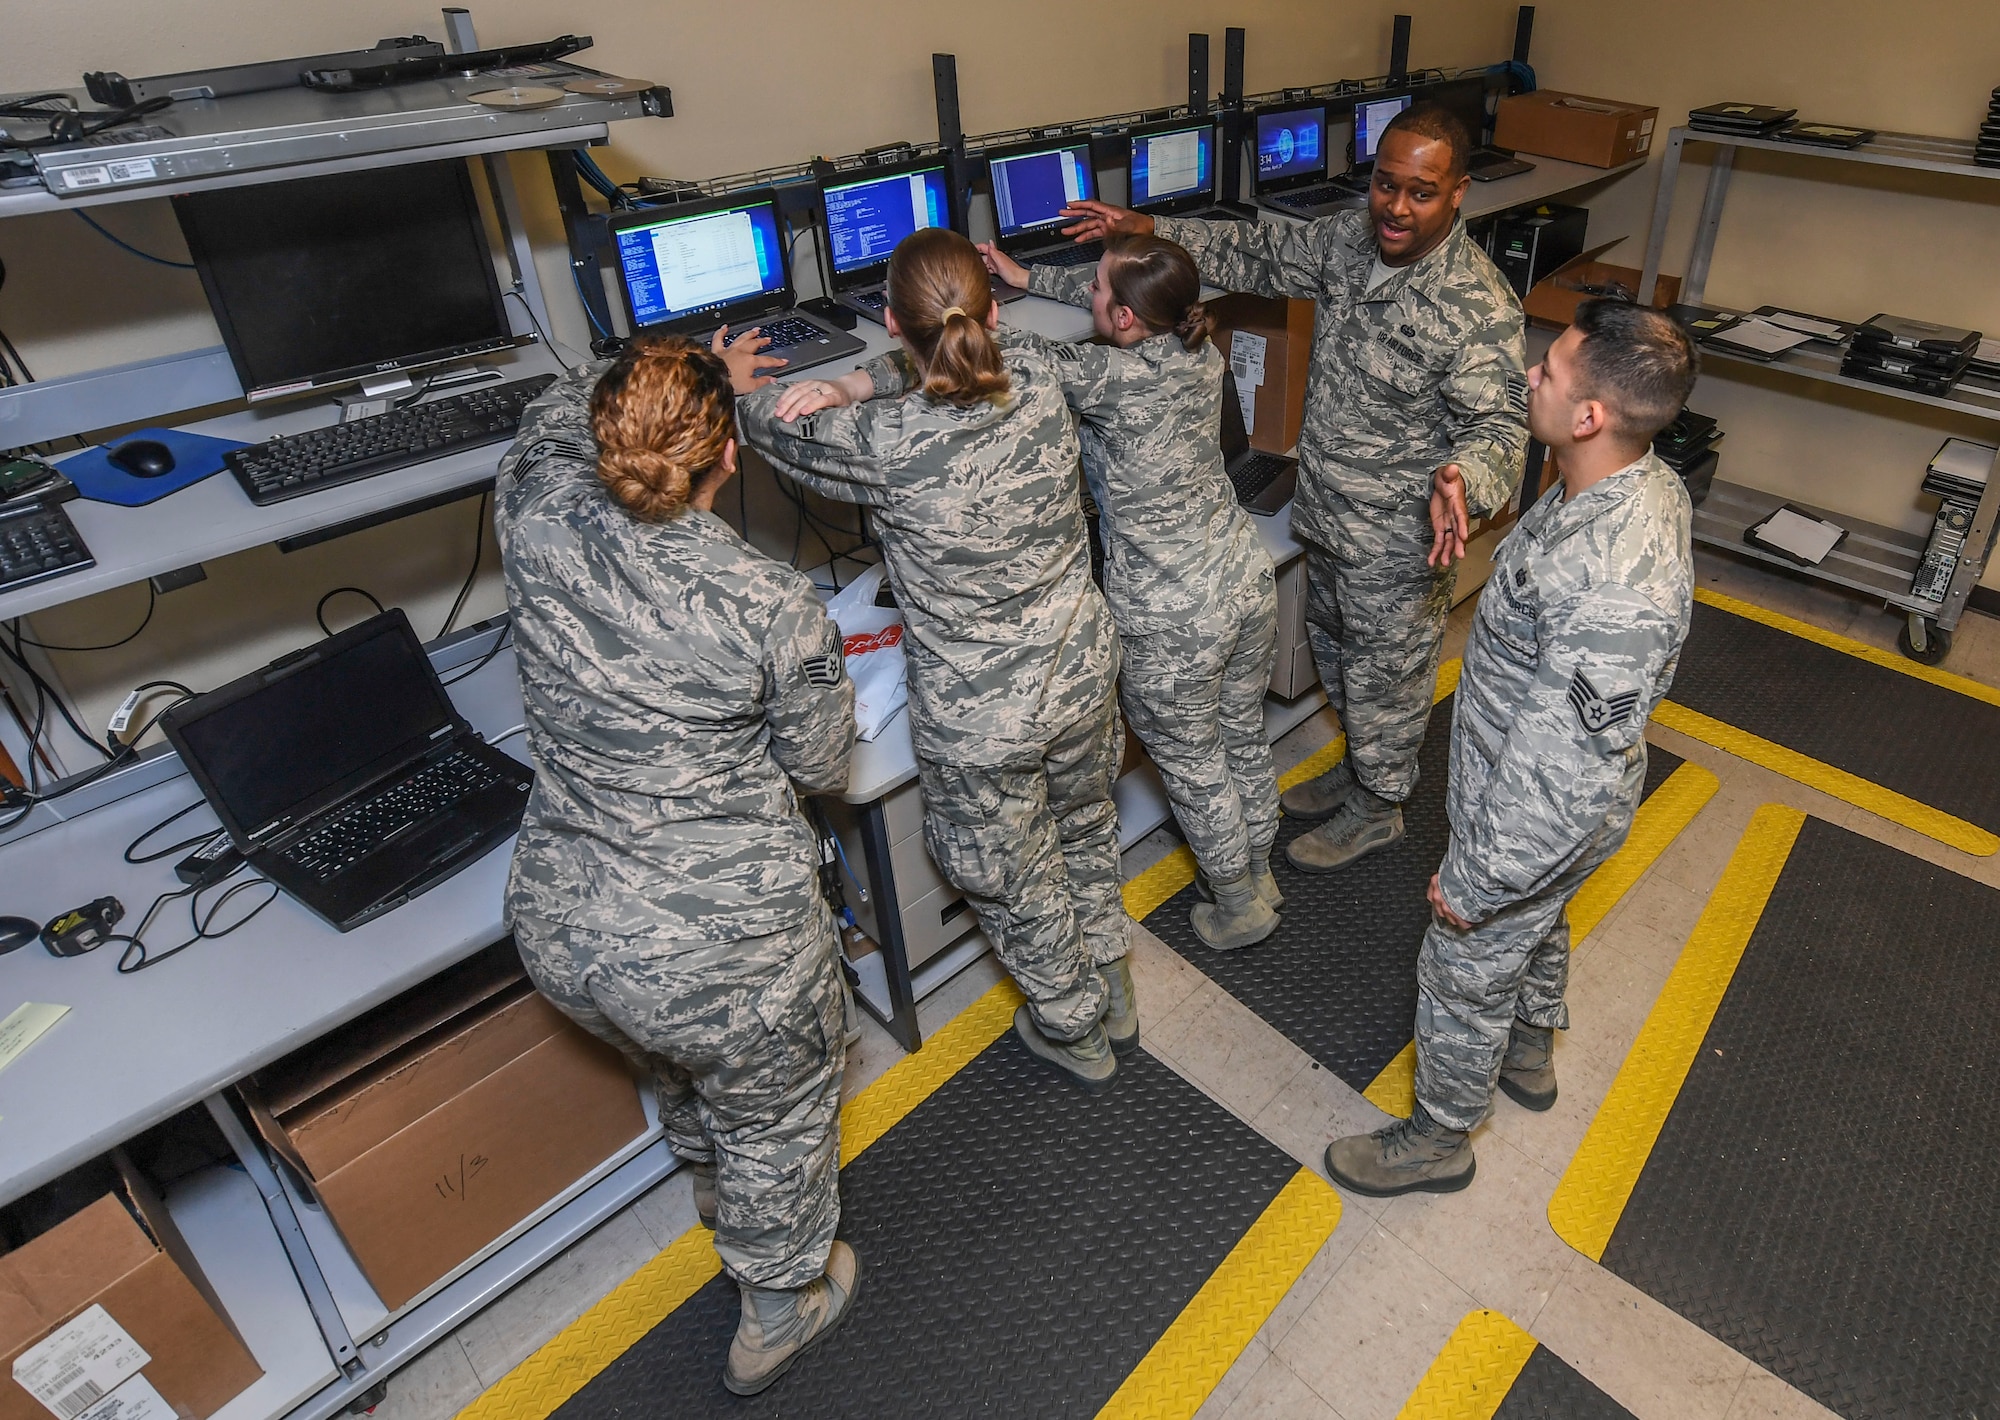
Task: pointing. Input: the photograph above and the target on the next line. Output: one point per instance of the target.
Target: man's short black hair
(1638, 362)
(1437, 124)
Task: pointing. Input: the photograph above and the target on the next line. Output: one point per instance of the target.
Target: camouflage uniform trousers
(743, 1039)
(1473, 985)
(1034, 848)
(1195, 698)
(1375, 615)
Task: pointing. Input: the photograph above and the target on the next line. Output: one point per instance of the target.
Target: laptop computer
(1372, 116)
(1032, 182)
(687, 268)
(865, 214)
(1291, 163)
(1264, 482)
(1466, 100)
(343, 773)
(1174, 171)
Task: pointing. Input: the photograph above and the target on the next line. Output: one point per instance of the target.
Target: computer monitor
(868, 213)
(694, 265)
(1371, 121)
(1032, 184)
(329, 281)
(1173, 165)
(1291, 147)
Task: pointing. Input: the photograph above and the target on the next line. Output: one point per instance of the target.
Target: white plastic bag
(871, 639)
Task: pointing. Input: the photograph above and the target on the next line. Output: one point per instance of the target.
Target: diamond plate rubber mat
(1024, 1248)
(1339, 976)
(1801, 1154)
(1867, 726)
(1490, 1369)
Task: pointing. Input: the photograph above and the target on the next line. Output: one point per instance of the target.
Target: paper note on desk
(1819, 329)
(24, 1026)
(1756, 333)
(1808, 539)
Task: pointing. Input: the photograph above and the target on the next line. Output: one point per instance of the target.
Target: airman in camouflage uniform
(1189, 583)
(681, 689)
(1423, 370)
(1011, 651)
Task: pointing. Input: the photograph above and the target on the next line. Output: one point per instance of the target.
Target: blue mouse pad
(196, 456)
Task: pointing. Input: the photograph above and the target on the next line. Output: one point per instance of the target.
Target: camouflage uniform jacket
(1428, 369)
(677, 684)
(980, 519)
(1574, 642)
(1177, 544)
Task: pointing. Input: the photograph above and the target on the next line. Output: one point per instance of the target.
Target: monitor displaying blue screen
(1031, 189)
(1291, 143)
(683, 266)
(1178, 163)
(865, 220)
(1371, 118)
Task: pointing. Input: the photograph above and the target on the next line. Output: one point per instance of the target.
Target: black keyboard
(298, 464)
(366, 826)
(1317, 196)
(38, 541)
(1085, 255)
(783, 333)
(1257, 473)
(876, 300)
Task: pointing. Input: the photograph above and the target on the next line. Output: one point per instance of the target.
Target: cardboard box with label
(1600, 133)
(1270, 361)
(109, 1302)
(433, 1126)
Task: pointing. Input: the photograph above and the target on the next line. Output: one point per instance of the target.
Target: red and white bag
(871, 640)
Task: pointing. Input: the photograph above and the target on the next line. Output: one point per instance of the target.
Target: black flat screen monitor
(328, 281)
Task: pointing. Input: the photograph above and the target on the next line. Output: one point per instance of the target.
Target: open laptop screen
(1175, 163)
(686, 264)
(1030, 189)
(1291, 143)
(866, 219)
(1371, 119)
(288, 738)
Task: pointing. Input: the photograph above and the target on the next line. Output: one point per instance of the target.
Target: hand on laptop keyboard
(745, 355)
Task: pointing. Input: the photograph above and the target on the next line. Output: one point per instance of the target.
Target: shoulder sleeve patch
(824, 670)
(1598, 713)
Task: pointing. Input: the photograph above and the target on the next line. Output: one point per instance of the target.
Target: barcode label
(134, 1400)
(79, 1363)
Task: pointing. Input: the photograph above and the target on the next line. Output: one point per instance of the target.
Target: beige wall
(773, 81)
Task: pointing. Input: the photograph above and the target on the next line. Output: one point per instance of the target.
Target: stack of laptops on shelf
(1909, 354)
(1741, 120)
(1986, 148)
(1688, 447)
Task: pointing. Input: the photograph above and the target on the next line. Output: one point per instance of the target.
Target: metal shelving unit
(1877, 560)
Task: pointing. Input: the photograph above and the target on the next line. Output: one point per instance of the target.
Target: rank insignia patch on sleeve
(1598, 713)
(827, 670)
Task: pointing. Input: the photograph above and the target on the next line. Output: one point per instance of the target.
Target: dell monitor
(696, 265)
(869, 212)
(1173, 166)
(1291, 147)
(1033, 183)
(1371, 121)
(322, 282)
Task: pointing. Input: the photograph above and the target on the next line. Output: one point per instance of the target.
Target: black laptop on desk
(343, 773)
(688, 268)
(1032, 183)
(1264, 482)
(1292, 163)
(1174, 171)
(865, 214)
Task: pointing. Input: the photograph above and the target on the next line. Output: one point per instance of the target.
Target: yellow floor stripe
(1474, 1372)
(1849, 788)
(1655, 826)
(1888, 660)
(1192, 1355)
(1600, 1179)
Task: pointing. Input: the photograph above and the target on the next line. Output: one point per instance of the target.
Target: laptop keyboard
(876, 300)
(784, 332)
(344, 841)
(1086, 255)
(1316, 196)
(38, 540)
(1255, 474)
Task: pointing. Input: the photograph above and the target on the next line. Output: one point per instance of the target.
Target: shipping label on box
(78, 1364)
(134, 1400)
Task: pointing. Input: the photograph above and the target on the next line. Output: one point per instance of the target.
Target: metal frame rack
(1881, 561)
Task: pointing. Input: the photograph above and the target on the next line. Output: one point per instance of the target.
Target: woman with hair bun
(681, 691)
(1192, 588)
(1012, 654)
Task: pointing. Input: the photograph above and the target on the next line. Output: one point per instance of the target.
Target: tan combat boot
(1364, 823)
(1319, 798)
(1415, 1155)
(1089, 1061)
(1528, 1072)
(1266, 881)
(1121, 1006)
(1239, 916)
(781, 1324)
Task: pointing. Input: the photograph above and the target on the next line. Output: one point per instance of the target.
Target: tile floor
(1354, 1335)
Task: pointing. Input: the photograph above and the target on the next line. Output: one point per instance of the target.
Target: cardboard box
(147, 1283)
(1286, 330)
(1554, 300)
(449, 1120)
(1602, 133)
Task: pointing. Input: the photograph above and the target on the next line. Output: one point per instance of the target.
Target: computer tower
(1527, 246)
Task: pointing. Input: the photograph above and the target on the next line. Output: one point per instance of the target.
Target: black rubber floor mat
(1549, 1389)
(1023, 1247)
(1338, 978)
(1907, 734)
(1824, 1192)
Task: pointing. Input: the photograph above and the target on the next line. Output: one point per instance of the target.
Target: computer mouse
(143, 458)
(17, 932)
